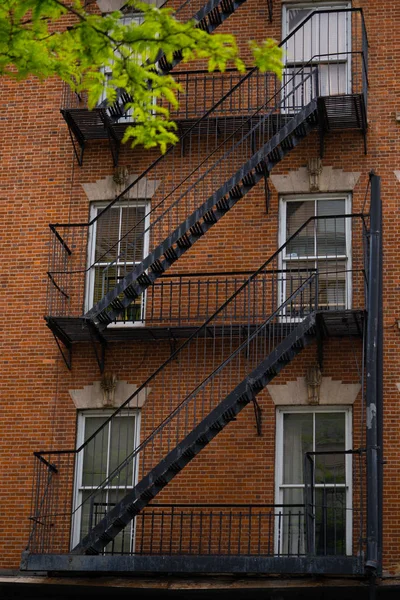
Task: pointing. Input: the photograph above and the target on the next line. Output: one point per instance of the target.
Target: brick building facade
(216, 311)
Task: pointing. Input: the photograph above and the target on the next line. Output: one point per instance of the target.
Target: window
(321, 430)
(324, 245)
(323, 44)
(123, 116)
(119, 241)
(95, 463)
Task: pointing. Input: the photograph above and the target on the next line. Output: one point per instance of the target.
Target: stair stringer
(210, 212)
(208, 18)
(142, 494)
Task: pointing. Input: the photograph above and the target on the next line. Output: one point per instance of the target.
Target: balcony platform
(328, 565)
(70, 330)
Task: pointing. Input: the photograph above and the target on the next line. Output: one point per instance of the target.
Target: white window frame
(96, 207)
(282, 239)
(78, 487)
(332, 5)
(280, 486)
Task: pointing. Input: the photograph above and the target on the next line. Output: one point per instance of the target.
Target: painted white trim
(279, 486)
(282, 239)
(78, 487)
(91, 253)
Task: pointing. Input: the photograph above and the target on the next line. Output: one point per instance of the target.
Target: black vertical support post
(373, 359)
(380, 399)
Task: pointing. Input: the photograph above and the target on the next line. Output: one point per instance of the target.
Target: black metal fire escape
(269, 319)
(109, 122)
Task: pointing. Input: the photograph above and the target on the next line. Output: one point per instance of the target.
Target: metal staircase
(201, 435)
(265, 323)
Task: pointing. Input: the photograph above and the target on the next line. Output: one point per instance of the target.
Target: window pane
(105, 279)
(122, 444)
(291, 523)
(297, 213)
(332, 284)
(132, 234)
(297, 440)
(107, 235)
(330, 521)
(331, 237)
(123, 542)
(94, 468)
(322, 38)
(297, 272)
(299, 46)
(330, 436)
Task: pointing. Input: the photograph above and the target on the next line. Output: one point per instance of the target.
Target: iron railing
(211, 530)
(199, 92)
(218, 356)
(335, 502)
(180, 182)
(188, 299)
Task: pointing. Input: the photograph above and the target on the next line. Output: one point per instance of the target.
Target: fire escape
(249, 325)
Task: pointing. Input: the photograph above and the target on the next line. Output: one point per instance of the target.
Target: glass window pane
(123, 542)
(332, 284)
(299, 46)
(291, 523)
(122, 444)
(297, 272)
(297, 440)
(330, 436)
(107, 235)
(331, 236)
(132, 234)
(94, 468)
(105, 279)
(297, 213)
(330, 521)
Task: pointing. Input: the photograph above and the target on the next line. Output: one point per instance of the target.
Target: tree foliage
(93, 53)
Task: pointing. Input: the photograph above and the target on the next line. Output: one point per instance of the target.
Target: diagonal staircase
(215, 421)
(287, 131)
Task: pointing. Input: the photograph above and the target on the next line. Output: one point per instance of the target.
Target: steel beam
(301, 565)
(373, 357)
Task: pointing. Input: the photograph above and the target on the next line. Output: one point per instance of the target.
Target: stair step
(157, 267)
(184, 241)
(214, 17)
(171, 255)
(117, 304)
(130, 292)
(236, 192)
(104, 317)
(197, 230)
(203, 440)
(210, 217)
(217, 426)
(223, 205)
(175, 467)
(144, 279)
(189, 453)
(249, 180)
